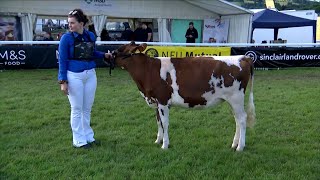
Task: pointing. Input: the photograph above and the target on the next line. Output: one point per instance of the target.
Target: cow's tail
(251, 113)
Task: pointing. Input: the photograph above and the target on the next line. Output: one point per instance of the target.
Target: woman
(77, 76)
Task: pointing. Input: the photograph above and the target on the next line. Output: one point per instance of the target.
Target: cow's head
(130, 48)
(124, 52)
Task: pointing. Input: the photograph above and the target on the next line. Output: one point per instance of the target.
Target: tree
(294, 4)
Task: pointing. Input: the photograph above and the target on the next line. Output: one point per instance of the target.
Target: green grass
(36, 135)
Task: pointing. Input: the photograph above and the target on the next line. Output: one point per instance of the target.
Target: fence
(43, 54)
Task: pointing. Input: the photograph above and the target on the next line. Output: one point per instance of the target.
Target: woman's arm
(63, 58)
(96, 53)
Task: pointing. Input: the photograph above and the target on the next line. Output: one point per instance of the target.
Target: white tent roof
(220, 7)
(174, 9)
(240, 18)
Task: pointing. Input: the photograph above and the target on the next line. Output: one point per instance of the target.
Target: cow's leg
(236, 135)
(163, 111)
(237, 104)
(160, 128)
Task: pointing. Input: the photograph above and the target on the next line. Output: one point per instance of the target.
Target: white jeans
(82, 87)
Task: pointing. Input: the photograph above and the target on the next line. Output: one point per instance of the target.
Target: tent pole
(314, 31)
(276, 31)
(251, 36)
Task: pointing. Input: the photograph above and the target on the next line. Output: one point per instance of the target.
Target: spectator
(212, 40)
(127, 34)
(143, 33)
(252, 42)
(9, 36)
(91, 28)
(138, 33)
(105, 35)
(59, 36)
(191, 34)
(149, 31)
(47, 36)
(264, 42)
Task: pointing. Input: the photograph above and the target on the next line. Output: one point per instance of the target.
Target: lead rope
(109, 62)
(111, 67)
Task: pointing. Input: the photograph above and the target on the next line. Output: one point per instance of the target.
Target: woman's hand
(108, 55)
(64, 88)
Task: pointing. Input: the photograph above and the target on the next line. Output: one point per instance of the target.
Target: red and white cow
(190, 82)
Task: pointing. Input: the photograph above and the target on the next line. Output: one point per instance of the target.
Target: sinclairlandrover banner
(275, 57)
(180, 51)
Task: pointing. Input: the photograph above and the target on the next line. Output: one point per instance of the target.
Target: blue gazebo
(269, 19)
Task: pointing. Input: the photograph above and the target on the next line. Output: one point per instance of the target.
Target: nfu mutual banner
(215, 30)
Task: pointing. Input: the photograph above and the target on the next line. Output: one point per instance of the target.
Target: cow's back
(193, 78)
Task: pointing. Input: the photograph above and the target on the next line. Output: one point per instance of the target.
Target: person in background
(264, 42)
(127, 34)
(9, 36)
(149, 32)
(212, 40)
(47, 36)
(191, 34)
(252, 42)
(138, 33)
(105, 35)
(143, 33)
(91, 28)
(59, 36)
(77, 76)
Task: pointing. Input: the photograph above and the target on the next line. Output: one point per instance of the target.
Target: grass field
(36, 135)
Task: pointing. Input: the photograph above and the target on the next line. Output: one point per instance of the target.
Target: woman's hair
(79, 15)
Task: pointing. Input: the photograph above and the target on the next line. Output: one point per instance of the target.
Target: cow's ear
(132, 43)
(141, 47)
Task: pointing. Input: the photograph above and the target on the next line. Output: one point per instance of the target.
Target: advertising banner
(179, 51)
(215, 30)
(97, 4)
(37, 56)
(45, 56)
(275, 57)
(10, 28)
